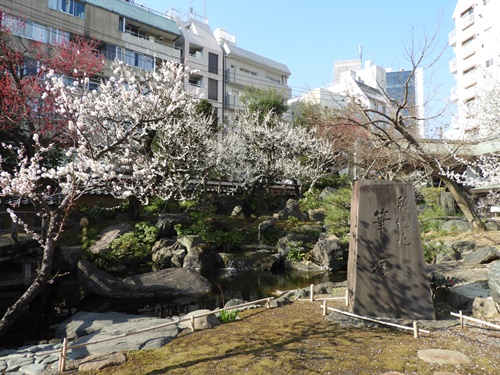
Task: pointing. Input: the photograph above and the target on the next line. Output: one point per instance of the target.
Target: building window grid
(32, 30)
(129, 57)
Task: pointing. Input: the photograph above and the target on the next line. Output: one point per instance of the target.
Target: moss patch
(295, 339)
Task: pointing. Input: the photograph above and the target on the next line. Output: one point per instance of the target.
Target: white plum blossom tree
(257, 151)
(119, 136)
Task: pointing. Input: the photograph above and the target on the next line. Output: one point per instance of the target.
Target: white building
(243, 68)
(476, 43)
(371, 85)
(201, 52)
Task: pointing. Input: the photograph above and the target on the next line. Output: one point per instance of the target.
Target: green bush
(230, 240)
(431, 195)
(337, 207)
(428, 218)
(87, 237)
(311, 200)
(297, 252)
(135, 244)
(441, 282)
(432, 249)
(101, 260)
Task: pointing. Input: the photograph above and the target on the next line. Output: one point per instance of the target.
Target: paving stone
(15, 364)
(99, 361)
(33, 369)
(443, 357)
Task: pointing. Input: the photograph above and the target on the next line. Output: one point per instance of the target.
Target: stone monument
(386, 268)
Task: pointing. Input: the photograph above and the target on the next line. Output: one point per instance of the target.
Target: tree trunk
(14, 311)
(465, 205)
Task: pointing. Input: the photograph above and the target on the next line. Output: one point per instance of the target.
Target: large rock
(166, 223)
(190, 241)
(456, 250)
(267, 229)
(202, 258)
(101, 283)
(485, 255)
(258, 260)
(168, 253)
(172, 282)
(447, 202)
(494, 281)
(317, 214)
(291, 209)
(89, 326)
(328, 254)
(108, 235)
(484, 308)
(458, 226)
(204, 322)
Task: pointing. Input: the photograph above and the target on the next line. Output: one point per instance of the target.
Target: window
(272, 79)
(468, 16)
(213, 89)
(139, 60)
(58, 36)
(131, 29)
(195, 80)
(29, 68)
(489, 63)
(27, 29)
(213, 63)
(73, 7)
(195, 51)
(248, 71)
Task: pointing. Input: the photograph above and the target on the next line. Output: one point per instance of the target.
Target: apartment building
(244, 68)
(201, 52)
(476, 43)
(133, 34)
(372, 85)
(142, 37)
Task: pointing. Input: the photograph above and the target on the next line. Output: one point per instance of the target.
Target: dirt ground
(296, 339)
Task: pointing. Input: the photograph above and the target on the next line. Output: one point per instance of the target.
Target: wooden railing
(463, 318)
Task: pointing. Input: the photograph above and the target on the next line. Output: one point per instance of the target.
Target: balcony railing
(454, 93)
(153, 44)
(452, 38)
(232, 101)
(453, 66)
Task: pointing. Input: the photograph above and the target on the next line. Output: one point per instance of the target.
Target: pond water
(228, 284)
(61, 300)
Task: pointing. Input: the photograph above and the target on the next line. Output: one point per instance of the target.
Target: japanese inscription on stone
(386, 268)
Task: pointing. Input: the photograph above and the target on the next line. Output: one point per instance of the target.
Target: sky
(308, 36)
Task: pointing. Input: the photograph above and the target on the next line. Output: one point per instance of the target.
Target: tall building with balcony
(136, 35)
(476, 43)
(243, 68)
(201, 52)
